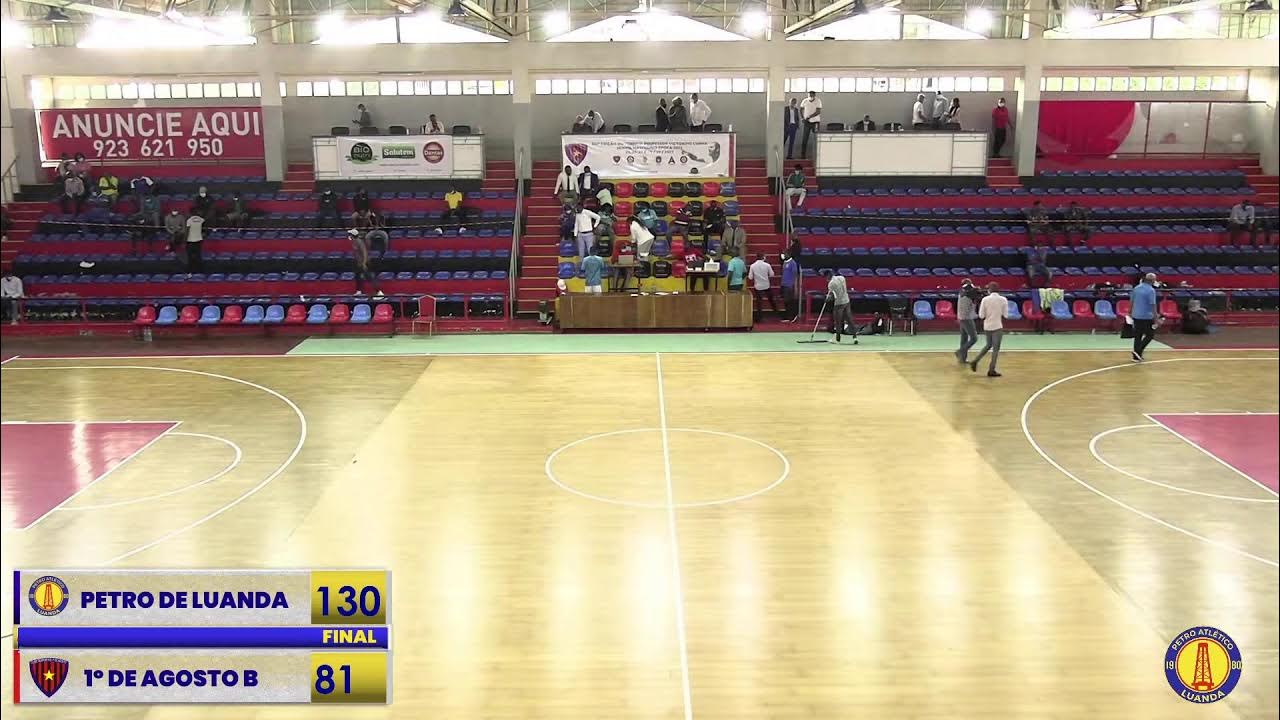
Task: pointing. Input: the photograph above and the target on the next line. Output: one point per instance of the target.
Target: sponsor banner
(406, 156)
(156, 133)
(709, 155)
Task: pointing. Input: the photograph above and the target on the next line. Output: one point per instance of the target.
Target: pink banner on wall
(1084, 128)
(168, 133)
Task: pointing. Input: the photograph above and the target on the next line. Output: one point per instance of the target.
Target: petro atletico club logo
(1202, 664)
(49, 674)
(48, 595)
(576, 153)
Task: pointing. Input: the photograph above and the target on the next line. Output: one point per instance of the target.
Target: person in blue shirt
(737, 274)
(593, 268)
(790, 288)
(1143, 312)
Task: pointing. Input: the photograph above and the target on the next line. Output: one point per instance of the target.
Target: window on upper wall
(644, 86)
(675, 85)
(1120, 83)
(947, 83)
(163, 91)
(303, 88)
(1087, 84)
(626, 86)
(725, 85)
(244, 89)
(609, 86)
(484, 87)
(211, 90)
(1053, 84)
(1187, 82)
(98, 92)
(590, 86)
(863, 84)
(195, 90)
(387, 87)
(577, 86)
(913, 85)
(559, 86)
(454, 86)
(963, 83)
(897, 84)
(405, 87)
(1103, 84)
(355, 88)
(1069, 84)
(114, 92)
(130, 91)
(178, 91)
(741, 85)
(320, 88)
(369, 88)
(502, 87)
(978, 83)
(1239, 82)
(880, 84)
(1219, 83)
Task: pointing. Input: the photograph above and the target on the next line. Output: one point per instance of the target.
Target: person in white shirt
(811, 115)
(940, 105)
(584, 225)
(11, 290)
(993, 309)
(761, 276)
(195, 244)
(433, 126)
(641, 236)
(699, 113)
(918, 119)
(595, 121)
(951, 120)
(566, 187)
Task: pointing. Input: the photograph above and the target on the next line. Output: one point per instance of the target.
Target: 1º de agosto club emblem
(1203, 664)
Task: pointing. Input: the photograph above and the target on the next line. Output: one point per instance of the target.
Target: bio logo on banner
(361, 153)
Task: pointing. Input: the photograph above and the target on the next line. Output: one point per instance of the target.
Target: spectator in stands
(999, 127)
(195, 243)
(940, 105)
(149, 209)
(238, 215)
(1038, 222)
(648, 217)
(82, 167)
(73, 194)
(64, 167)
(140, 232)
(794, 249)
(12, 293)
(566, 187)
(993, 309)
(699, 113)
(1077, 222)
(841, 313)
(761, 276)
(919, 120)
(865, 124)
(1142, 310)
(328, 209)
(362, 220)
(605, 227)
(795, 186)
(951, 118)
(360, 258)
(694, 259)
(790, 123)
(967, 316)
(811, 115)
(594, 121)
(737, 272)
(454, 209)
(680, 225)
(585, 228)
(734, 241)
(360, 201)
(679, 116)
(713, 220)
(377, 238)
(593, 269)
(142, 185)
(175, 223)
(1038, 272)
(433, 126)
(109, 188)
(641, 235)
(588, 183)
(790, 288)
(362, 118)
(204, 205)
(1243, 217)
(568, 220)
(604, 196)
(662, 117)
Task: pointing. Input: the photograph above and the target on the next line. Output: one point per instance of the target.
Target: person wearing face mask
(203, 205)
(175, 223)
(328, 208)
(999, 127)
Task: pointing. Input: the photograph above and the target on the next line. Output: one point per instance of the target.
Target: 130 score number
(350, 597)
(157, 148)
(369, 604)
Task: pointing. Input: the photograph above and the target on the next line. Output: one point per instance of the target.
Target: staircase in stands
(1001, 173)
(25, 216)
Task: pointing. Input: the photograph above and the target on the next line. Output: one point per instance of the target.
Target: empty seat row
(297, 314)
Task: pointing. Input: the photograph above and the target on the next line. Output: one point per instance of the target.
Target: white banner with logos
(406, 156)
(657, 155)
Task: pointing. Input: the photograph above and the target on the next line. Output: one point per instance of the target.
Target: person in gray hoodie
(175, 223)
(841, 314)
(967, 315)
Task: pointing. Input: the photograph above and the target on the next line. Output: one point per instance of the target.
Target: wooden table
(677, 311)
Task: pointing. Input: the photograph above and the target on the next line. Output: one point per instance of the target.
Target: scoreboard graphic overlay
(202, 636)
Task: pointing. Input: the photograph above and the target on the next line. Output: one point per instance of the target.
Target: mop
(815, 325)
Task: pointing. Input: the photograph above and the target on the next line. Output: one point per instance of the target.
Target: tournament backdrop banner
(422, 156)
(708, 155)
(182, 133)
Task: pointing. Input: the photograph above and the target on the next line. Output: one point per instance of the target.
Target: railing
(515, 236)
(9, 185)
(784, 205)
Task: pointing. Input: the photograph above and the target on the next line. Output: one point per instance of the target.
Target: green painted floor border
(632, 343)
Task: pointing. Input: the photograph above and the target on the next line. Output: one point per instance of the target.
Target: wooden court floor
(720, 536)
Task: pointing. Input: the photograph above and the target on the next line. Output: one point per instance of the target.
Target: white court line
(1093, 448)
(675, 544)
(1193, 414)
(302, 439)
(95, 481)
(1222, 462)
(147, 498)
(6, 361)
(91, 422)
(1026, 432)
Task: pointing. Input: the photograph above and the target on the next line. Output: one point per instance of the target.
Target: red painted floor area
(1249, 443)
(45, 464)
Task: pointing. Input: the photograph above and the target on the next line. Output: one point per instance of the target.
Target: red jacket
(999, 117)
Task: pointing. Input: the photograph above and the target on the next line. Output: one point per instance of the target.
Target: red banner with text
(155, 133)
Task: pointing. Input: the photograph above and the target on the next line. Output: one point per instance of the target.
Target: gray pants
(993, 344)
(968, 338)
(841, 315)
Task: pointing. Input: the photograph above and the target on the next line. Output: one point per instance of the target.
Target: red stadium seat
(1031, 311)
(190, 315)
(232, 315)
(623, 190)
(945, 310)
(658, 190)
(340, 313)
(679, 268)
(621, 227)
(1123, 307)
(1081, 309)
(711, 189)
(677, 246)
(622, 209)
(146, 315)
(382, 313)
(1169, 310)
(675, 205)
(295, 315)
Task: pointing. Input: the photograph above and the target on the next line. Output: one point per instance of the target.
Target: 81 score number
(158, 148)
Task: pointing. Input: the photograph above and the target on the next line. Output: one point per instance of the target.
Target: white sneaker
(831, 340)
(359, 293)
(379, 294)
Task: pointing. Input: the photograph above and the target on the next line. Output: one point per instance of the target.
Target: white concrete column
(1026, 119)
(1264, 87)
(273, 141)
(521, 109)
(775, 98)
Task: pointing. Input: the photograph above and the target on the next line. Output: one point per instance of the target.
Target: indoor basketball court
(693, 535)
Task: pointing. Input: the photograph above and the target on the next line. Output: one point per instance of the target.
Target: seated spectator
(795, 186)
(433, 126)
(360, 201)
(647, 217)
(149, 208)
(175, 223)
(713, 221)
(566, 186)
(360, 257)
(64, 167)
(1243, 217)
(1038, 272)
(605, 227)
(239, 215)
(594, 121)
(72, 194)
(1077, 222)
(82, 167)
(140, 232)
(109, 188)
(377, 237)
(588, 183)
(455, 210)
(865, 124)
(919, 120)
(327, 209)
(142, 185)
(204, 205)
(680, 225)
(12, 292)
(642, 236)
(678, 118)
(1038, 222)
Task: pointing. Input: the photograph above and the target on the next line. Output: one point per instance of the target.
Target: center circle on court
(629, 467)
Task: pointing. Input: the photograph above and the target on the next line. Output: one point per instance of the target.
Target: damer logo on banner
(708, 155)
(407, 157)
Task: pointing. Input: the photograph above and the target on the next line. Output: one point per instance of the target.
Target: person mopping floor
(841, 315)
